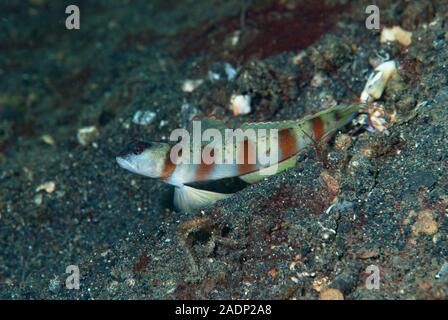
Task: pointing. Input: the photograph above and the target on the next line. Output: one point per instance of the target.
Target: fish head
(144, 158)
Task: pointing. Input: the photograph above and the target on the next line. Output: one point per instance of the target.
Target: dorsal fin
(209, 122)
(283, 124)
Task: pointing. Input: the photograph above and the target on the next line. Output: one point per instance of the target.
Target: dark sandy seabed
(270, 240)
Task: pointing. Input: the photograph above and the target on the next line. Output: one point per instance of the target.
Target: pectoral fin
(269, 171)
(187, 198)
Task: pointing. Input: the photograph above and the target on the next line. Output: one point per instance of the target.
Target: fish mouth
(126, 164)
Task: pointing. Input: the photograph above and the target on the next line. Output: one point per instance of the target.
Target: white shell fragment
(213, 76)
(86, 135)
(230, 71)
(191, 85)
(49, 187)
(377, 81)
(297, 59)
(397, 34)
(48, 139)
(240, 104)
(235, 38)
(220, 71)
(143, 118)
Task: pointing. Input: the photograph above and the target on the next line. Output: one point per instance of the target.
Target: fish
(286, 140)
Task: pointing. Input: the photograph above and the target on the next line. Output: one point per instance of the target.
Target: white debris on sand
(298, 58)
(397, 34)
(48, 187)
(240, 104)
(190, 85)
(377, 81)
(235, 38)
(143, 118)
(213, 76)
(86, 135)
(38, 199)
(48, 139)
(220, 70)
(230, 71)
(318, 80)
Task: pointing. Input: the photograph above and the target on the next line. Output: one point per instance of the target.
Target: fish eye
(135, 148)
(138, 148)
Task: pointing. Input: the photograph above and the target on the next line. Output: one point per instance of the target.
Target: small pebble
(38, 199)
(49, 187)
(397, 34)
(331, 294)
(48, 139)
(87, 134)
(191, 85)
(143, 118)
(425, 223)
(240, 104)
(54, 285)
(230, 71)
(342, 141)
